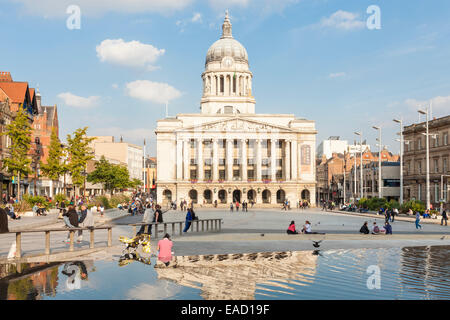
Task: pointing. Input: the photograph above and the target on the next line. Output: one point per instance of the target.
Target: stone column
(229, 159)
(258, 160)
(179, 159)
(294, 163)
(187, 159)
(287, 160)
(200, 171)
(215, 161)
(244, 159)
(273, 159)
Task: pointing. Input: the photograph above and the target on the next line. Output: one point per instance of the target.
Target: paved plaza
(257, 230)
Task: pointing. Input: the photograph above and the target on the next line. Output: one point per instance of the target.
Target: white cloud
(79, 102)
(439, 104)
(130, 54)
(197, 17)
(343, 20)
(157, 92)
(57, 8)
(115, 85)
(336, 75)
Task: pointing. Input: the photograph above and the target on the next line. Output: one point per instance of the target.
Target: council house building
(228, 152)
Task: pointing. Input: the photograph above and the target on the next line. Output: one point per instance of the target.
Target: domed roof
(227, 46)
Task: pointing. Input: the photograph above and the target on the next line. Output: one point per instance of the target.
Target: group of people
(327, 205)
(306, 228)
(237, 205)
(386, 229)
(303, 204)
(83, 218)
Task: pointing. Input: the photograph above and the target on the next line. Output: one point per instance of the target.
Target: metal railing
(71, 236)
(211, 225)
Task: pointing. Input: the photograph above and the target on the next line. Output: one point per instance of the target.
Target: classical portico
(228, 152)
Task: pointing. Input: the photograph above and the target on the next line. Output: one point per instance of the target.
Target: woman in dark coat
(3, 221)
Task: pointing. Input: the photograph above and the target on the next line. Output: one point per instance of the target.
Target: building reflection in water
(33, 281)
(238, 276)
(426, 270)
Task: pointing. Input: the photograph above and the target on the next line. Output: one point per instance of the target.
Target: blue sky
(313, 58)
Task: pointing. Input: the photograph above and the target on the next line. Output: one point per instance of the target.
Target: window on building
(265, 161)
(436, 165)
(251, 174)
(221, 162)
(208, 175)
(193, 174)
(279, 162)
(444, 165)
(236, 174)
(445, 138)
(419, 166)
(193, 161)
(419, 144)
(436, 141)
(251, 161)
(234, 84)
(236, 162)
(436, 192)
(208, 162)
(279, 144)
(235, 143)
(279, 174)
(221, 174)
(222, 84)
(265, 174)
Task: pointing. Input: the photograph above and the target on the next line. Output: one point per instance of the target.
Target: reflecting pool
(393, 273)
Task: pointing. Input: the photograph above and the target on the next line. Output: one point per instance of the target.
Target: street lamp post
(380, 189)
(359, 133)
(37, 157)
(442, 192)
(401, 158)
(426, 112)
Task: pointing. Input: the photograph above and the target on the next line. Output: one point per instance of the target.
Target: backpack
(376, 229)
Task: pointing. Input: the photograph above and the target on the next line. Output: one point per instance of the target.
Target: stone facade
(414, 160)
(228, 152)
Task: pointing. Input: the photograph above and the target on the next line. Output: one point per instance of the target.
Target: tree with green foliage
(55, 167)
(19, 131)
(79, 154)
(111, 176)
(135, 183)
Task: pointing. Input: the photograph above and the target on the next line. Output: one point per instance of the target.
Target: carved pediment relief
(237, 124)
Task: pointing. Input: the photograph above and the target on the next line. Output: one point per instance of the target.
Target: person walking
(237, 206)
(147, 218)
(444, 218)
(231, 207)
(418, 220)
(102, 210)
(394, 213)
(188, 220)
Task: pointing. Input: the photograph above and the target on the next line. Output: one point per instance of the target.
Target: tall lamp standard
(359, 133)
(401, 158)
(442, 200)
(426, 112)
(380, 187)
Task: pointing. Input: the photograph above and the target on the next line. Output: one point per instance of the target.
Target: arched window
(234, 84)
(222, 85)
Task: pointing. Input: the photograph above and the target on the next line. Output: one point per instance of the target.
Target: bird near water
(316, 244)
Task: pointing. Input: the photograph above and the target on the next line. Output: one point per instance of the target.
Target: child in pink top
(165, 249)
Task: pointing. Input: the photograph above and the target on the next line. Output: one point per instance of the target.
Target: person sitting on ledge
(375, 229)
(364, 229)
(291, 229)
(387, 228)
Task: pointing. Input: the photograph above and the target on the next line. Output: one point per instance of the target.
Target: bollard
(207, 225)
(196, 222)
(173, 229)
(181, 228)
(165, 228)
(203, 225)
(91, 243)
(71, 240)
(109, 237)
(156, 231)
(47, 242)
(220, 225)
(18, 244)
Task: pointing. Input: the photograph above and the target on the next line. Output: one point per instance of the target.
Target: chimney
(5, 76)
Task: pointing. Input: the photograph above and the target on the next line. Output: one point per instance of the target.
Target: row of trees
(71, 159)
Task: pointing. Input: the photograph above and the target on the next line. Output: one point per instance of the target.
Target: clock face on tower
(227, 62)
